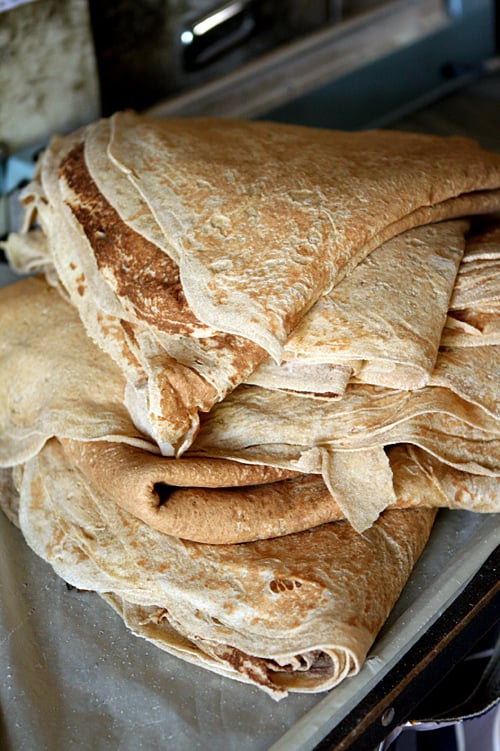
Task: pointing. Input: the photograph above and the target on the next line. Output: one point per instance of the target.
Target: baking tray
(75, 678)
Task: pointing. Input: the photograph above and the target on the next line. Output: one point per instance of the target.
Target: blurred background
(345, 64)
(338, 63)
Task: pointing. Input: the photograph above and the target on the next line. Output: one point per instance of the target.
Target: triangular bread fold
(273, 228)
(118, 191)
(191, 257)
(57, 382)
(169, 371)
(373, 325)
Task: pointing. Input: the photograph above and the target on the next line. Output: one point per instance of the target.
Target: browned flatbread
(54, 380)
(220, 256)
(474, 316)
(473, 373)
(295, 613)
(471, 328)
(181, 260)
(418, 475)
(478, 281)
(254, 422)
(255, 436)
(273, 231)
(201, 499)
(373, 327)
(204, 510)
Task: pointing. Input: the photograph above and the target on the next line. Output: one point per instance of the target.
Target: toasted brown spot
(144, 275)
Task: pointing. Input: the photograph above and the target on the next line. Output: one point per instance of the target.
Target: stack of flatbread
(250, 364)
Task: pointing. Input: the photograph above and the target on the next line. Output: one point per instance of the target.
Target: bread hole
(163, 491)
(284, 585)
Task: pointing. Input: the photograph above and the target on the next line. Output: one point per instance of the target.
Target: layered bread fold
(265, 462)
(251, 363)
(192, 248)
(373, 323)
(295, 613)
(474, 315)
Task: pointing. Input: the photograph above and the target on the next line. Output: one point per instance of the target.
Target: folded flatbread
(474, 316)
(297, 613)
(190, 257)
(478, 282)
(373, 326)
(56, 382)
(273, 228)
(134, 452)
(253, 420)
(180, 500)
(240, 480)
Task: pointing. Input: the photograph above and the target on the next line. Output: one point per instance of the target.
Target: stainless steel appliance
(340, 63)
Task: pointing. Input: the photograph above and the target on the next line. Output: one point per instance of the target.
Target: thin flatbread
(417, 474)
(266, 218)
(373, 322)
(55, 381)
(471, 328)
(172, 372)
(474, 316)
(253, 238)
(473, 373)
(138, 482)
(84, 400)
(253, 420)
(478, 280)
(296, 613)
